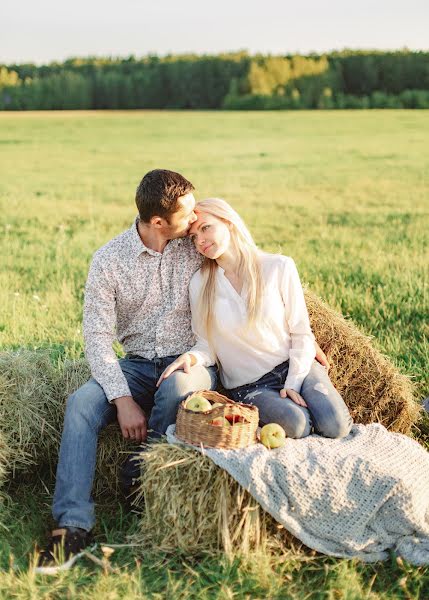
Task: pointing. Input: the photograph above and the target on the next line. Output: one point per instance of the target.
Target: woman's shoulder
(276, 261)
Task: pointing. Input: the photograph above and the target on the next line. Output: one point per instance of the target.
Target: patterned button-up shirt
(139, 297)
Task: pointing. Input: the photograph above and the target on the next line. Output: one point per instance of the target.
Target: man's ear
(156, 221)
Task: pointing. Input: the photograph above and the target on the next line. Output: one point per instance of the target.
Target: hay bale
(28, 408)
(33, 396)
(4, 459)
(4, 471)
(372, 387)
(193, 506)
(33, 393)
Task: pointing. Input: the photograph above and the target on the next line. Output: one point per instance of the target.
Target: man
(138, 286)
(137, 293)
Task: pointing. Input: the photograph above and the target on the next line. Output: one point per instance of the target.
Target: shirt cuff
(112, 392)
(294, 383)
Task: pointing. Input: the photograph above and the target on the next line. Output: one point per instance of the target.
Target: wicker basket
(197, 427)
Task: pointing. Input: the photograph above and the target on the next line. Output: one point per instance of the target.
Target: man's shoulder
(187, 244)
(114, 247)
(184, 246)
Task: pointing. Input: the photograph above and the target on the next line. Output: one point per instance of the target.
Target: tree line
(347, 79)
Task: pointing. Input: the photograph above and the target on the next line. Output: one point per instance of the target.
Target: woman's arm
(321, 357)
(200, 353)
(302, 351)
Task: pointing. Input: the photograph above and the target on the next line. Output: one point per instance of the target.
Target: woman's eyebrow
(198, 226)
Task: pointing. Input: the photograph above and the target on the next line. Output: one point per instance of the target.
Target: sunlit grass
(345, 193)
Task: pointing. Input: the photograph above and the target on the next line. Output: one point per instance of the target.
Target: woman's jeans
(88, 412)
(326, 412)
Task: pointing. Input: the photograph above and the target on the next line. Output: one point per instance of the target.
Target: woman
(249, 315)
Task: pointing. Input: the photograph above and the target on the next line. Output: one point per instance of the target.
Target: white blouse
(283, 333)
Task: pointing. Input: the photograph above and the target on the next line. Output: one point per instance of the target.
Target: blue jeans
(327, 412)
(88, 412)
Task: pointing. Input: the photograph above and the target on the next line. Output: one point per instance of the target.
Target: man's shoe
(64, 544)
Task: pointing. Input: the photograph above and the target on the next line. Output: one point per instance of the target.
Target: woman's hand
(321, 357)
(294, 396)
(183, 362)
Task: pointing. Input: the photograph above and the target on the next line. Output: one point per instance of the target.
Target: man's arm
(99, 323)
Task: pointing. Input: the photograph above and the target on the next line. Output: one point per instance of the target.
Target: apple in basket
(198, 404)
(216, 404)
(221, 422)
(234, 419)
(273, 435)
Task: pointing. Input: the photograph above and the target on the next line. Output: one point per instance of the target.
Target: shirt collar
(138, 247)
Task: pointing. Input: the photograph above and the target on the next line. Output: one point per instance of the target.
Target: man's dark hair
(158, 192)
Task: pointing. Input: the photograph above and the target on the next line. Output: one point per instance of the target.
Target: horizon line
(244, 51)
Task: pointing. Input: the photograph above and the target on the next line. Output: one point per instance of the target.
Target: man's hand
(131, 419)
(294, 396)
(183, 362)
(321, 357)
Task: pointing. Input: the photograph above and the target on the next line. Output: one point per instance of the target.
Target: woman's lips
(207, 247)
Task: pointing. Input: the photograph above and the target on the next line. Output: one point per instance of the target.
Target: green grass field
(346, 194)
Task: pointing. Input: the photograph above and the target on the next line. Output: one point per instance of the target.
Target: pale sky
(41, 31)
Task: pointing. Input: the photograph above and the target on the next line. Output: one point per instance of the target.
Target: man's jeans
(88, 412)
(326, 412)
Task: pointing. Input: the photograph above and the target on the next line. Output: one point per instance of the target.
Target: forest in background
(346, 79)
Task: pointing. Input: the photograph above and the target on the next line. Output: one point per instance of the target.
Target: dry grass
(4, 458)
(29, 408)
(372, 387)
(4, 462)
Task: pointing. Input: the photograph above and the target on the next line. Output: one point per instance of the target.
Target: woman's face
(211, 236)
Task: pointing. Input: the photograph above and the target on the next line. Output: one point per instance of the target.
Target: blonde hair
(248, 267)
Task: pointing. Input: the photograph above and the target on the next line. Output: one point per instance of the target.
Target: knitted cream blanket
(357, 497)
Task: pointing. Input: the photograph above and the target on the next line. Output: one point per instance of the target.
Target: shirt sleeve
(302, 351)
(201, 349)
(99, 330)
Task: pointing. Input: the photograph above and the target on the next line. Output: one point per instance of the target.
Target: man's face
(182, 219)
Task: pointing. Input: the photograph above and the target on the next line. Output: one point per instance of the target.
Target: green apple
(221, 422)
(273, 435)
(198, 404)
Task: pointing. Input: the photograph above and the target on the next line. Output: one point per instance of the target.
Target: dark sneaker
(64, 544)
